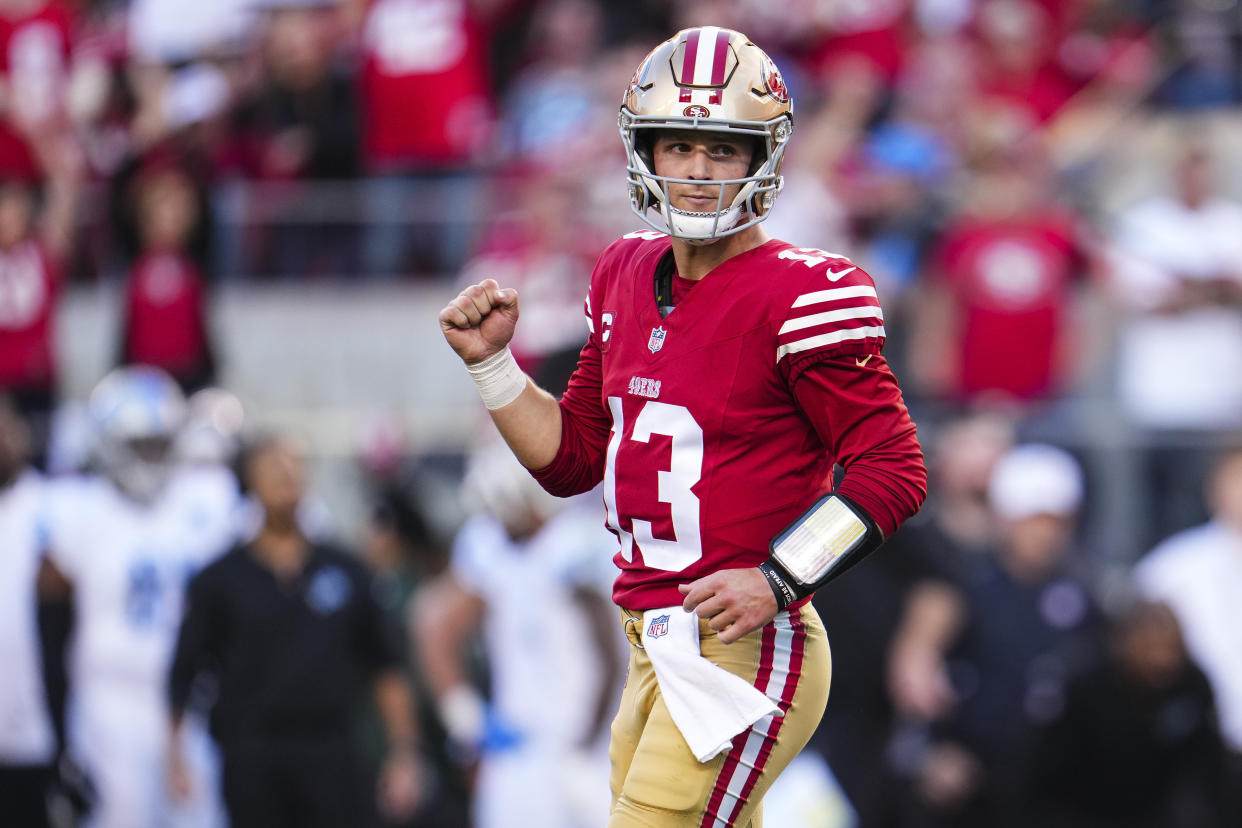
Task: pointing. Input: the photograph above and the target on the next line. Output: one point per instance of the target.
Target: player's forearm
(531, 425)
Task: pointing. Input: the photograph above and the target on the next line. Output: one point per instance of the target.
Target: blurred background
(273, 198)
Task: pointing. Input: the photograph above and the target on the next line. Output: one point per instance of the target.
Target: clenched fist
(479, 322)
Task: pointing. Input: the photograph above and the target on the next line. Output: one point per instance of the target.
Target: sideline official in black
(291, 632)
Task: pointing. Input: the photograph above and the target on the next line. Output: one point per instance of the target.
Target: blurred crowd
(1048, 194)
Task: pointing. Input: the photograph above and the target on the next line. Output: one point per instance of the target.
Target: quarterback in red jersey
(724, 376)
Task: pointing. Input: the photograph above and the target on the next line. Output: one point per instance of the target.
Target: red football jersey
(692, 421)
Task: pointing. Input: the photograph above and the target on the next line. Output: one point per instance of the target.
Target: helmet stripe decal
(719, 61)
(688, 63)
(718, 58)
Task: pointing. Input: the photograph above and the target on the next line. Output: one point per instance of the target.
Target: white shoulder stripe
(802, 322)
(827, 339)
(833, 295)
(590, 324)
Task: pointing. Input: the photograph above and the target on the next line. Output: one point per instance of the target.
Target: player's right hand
(480, 321)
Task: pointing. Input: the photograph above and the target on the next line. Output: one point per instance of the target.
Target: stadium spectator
(291, 631)
(122, 543)
(1019, 78)
(299, 119)
(525, 561)
(1198, 573)
(995, 315)
(555, 106)
(1176, 273)
(300, 122)
(428, 107)
(864, 732)
(36, 40)
(848, 42)
(1201, 55)
(945, 541)
(1136, 744)
(405, 550)
(165, 316)
(28, 742)
(37, 226)
(997, 646)
(814, 211)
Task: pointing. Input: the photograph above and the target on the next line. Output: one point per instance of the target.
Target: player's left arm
(828, 351)
(856, 407)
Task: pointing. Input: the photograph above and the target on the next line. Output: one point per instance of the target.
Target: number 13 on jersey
(673, 485)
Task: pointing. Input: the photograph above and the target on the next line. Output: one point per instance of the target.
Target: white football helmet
(136, 413)
(212, 431)
(498, 484)
(714, 80)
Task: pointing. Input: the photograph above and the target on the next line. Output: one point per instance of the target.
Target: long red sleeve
(856, 407)
(579, 463)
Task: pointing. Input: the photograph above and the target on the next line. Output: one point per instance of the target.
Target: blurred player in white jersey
(534, 574)
(125, 541)
(27, 739)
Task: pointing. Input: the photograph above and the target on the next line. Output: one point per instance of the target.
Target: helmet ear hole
(644, 146)
(758, 155)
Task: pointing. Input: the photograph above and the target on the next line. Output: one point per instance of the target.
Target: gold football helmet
(715, 80)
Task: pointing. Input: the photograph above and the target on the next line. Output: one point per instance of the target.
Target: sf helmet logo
(639, 80)
(696, 111)
(774, 81)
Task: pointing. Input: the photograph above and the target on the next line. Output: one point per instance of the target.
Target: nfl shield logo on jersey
(656, 342)
(658, 626)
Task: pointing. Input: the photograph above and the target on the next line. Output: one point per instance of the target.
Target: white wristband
(463, 714)
(499, 379)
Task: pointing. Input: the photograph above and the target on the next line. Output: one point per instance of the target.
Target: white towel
(709, 704)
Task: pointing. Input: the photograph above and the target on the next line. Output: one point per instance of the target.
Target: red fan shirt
(166, 314)
(426, 94)
(34, 57)
(29, 284)
(1011, 283)
(715, 427)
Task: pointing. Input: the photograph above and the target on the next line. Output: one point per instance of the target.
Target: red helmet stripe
(718, 58)
(688, 62)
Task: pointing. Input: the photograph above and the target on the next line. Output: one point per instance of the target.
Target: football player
(725, 374)
(125, 541)
(27, 737)
(531, 573)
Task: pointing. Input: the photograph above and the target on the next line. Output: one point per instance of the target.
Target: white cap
(1035, 479)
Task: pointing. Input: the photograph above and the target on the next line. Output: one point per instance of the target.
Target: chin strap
(829, 538)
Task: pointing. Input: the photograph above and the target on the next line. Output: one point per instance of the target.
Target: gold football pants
(657, 782)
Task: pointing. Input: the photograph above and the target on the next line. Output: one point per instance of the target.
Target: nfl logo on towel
(656, 342)
(658, 626)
